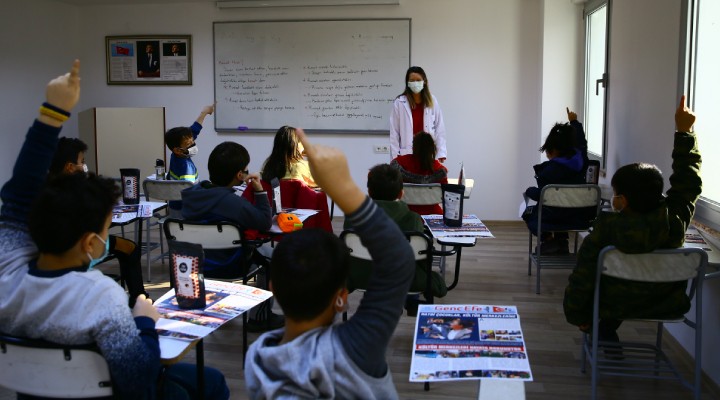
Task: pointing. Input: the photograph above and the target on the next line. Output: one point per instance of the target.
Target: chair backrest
(570, 196)
(422, 194)
(419, 242)
(664, 265)
(211, 235)
(39, 368)
(164, 190)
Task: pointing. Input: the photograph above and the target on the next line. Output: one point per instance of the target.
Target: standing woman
(416, 110)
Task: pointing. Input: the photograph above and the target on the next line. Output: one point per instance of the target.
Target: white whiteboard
(334, 75)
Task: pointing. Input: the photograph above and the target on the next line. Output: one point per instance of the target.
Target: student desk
(456, 237)
(126, 218)
(469, 183)
(713, 253)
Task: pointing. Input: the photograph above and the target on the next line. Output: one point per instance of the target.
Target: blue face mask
(96, 261)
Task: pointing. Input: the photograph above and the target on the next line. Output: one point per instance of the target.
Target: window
(596, 34)
(702, 86)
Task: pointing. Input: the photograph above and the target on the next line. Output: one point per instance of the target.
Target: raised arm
(366, 336)
(207, 110)
(33, 162)
(685, 181)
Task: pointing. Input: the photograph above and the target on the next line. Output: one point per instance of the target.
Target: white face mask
(416, 86)
(192, 150)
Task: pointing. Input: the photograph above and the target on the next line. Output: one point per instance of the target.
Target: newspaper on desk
(127, 212)
(466, 341)
(224, 301)
(471, 227)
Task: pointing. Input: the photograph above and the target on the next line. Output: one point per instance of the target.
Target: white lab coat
(401, 127)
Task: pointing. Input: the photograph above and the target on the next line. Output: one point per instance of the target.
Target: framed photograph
(149, 60)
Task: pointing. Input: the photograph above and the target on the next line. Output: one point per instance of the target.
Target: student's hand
(63, 92)
(254, 181)
(572, 116)
(144, 308)
(208, 110)
(684, 117)
(329, 168)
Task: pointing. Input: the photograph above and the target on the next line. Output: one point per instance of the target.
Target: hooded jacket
(632, 232)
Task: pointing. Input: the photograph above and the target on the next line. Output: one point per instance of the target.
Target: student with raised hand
(312, 357)
(181, 143)
(644, 221)
(50, 291)
(69, 159)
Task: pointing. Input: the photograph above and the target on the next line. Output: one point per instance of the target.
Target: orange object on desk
(289, 222)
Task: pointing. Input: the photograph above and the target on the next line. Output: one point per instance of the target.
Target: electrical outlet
(381, 149)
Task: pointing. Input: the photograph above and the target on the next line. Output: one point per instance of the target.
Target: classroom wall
(515, 76)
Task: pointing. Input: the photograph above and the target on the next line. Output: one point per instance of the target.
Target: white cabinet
(123, 138)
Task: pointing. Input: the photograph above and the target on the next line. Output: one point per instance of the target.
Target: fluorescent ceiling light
(301, 3)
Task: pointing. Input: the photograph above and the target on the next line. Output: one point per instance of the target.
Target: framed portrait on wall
(149, 60)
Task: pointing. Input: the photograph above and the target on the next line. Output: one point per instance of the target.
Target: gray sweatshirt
(345, 360)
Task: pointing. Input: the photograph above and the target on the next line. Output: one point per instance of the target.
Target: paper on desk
(225, 301)
(471, 227)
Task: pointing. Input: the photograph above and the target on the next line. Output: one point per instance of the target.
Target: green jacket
(407, 221)
(639, 233)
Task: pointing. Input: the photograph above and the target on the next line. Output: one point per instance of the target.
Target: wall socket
(382, 149)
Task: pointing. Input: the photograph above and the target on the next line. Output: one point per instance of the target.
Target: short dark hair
(561, 139)
(384, 182)
(641, 184)
(67, 151)
(68, 207)
(174, 137)
(226, 160)
(424, 150)
(308, 267)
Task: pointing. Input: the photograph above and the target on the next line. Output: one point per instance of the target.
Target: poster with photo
(148, 60)
(224, 301)
(468, 341)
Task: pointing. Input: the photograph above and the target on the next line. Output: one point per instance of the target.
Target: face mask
(85, 168)
(191, 151)
(417, 86)
(95, 261)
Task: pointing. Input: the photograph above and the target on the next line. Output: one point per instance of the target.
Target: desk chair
(39, 368)
(222, 235)
(419, 242)
(567, 197)
(641, 359)
(164, 191)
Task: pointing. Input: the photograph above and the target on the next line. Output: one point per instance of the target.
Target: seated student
(312, 357)
(566, 165)
(385, 187)
(181, 143)
(422, 167)
(644, 221)
(216, 200)
(286, 159)
(50, 291)
(70, 159)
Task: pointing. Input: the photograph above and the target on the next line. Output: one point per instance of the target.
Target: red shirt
(417, 118)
